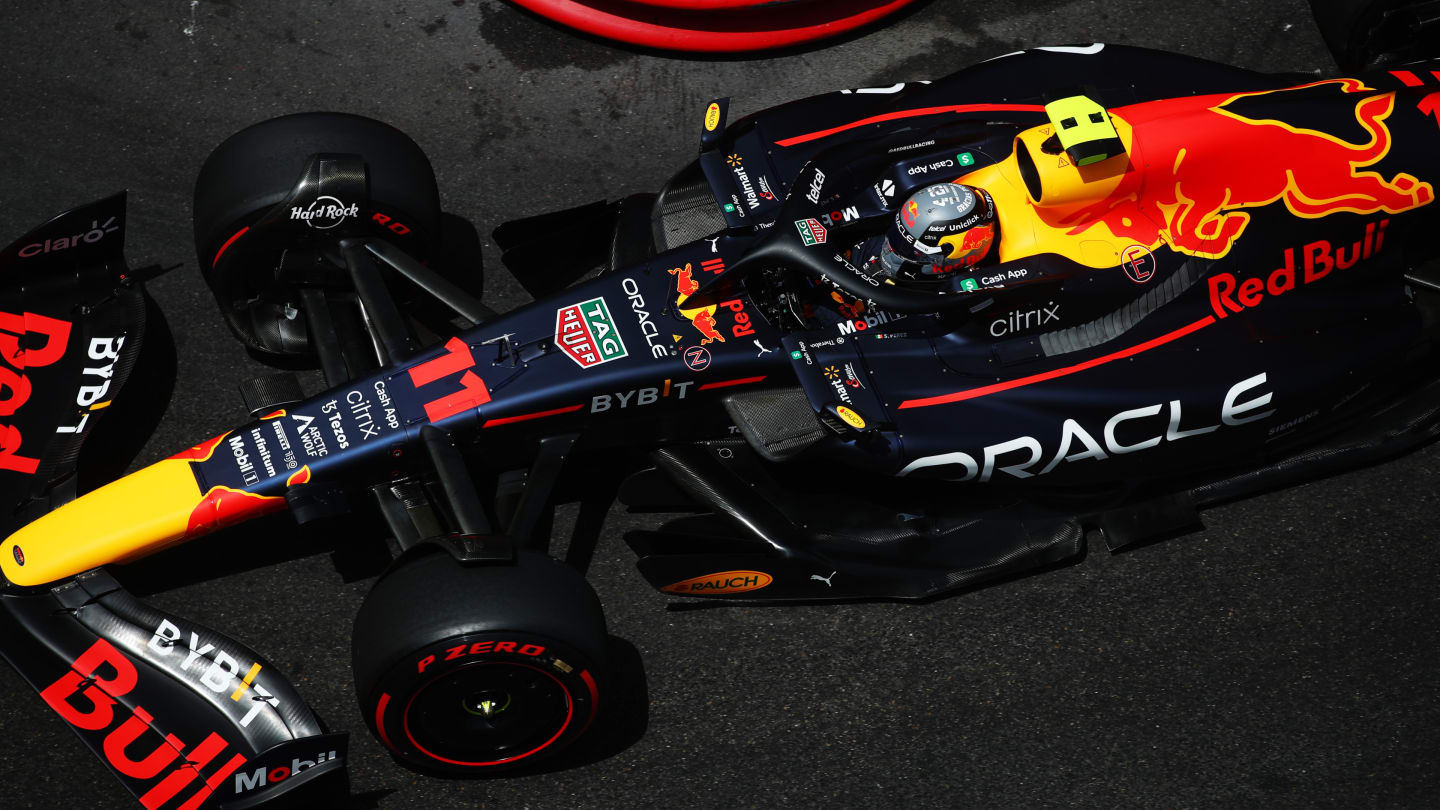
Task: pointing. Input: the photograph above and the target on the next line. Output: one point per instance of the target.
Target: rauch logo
(722, 582)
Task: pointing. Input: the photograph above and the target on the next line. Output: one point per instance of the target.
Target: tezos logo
(324, 213)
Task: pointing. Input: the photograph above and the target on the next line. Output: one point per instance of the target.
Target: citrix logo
(1020, 320)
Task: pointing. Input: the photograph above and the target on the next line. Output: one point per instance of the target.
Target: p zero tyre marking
(569, 715)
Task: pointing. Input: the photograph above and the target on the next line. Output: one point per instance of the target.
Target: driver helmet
(940, 229)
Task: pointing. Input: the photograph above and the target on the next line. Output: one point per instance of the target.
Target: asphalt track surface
(1283, 657)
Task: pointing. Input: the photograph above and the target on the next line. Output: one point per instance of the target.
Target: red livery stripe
(972, 393)
(875, 119)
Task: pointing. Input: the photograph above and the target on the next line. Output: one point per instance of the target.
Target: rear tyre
(477, 669)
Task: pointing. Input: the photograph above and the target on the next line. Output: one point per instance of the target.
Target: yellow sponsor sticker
(851, 418)
(712, 116)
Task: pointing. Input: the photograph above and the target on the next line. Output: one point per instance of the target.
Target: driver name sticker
(811, 231)
(586, 333)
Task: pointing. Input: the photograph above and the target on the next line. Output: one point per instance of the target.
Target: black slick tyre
(473, 669)
(257, 168)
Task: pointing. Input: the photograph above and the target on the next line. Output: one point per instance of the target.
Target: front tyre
(255, 170)
(476, 669)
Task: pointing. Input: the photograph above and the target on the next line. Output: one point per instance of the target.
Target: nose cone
(124, 520)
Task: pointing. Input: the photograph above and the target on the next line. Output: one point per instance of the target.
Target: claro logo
(26, 341)
(87, 697)
(723, 582)
(96, 232)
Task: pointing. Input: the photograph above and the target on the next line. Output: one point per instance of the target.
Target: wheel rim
(488, 714)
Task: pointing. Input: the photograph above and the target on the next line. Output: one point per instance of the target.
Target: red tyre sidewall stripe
(380, 721)
(594, 697)
(228, 243)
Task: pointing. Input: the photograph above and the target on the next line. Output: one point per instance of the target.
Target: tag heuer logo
(811, 231)
(585, 332)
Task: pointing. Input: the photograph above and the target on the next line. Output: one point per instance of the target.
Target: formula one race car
(881, 343)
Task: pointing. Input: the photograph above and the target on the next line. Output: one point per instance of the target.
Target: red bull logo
(223, 506)
(685, 282)
(1430, 105)
(1229, 295)
(27, 341)
(1205, 164)
(704, 322)
(702, 318)
(909, 212)
(1197, 167)
(969, 247)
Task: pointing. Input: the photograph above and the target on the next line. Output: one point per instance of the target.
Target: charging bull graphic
(965, 249)
(702, 318)
(1195, 200)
